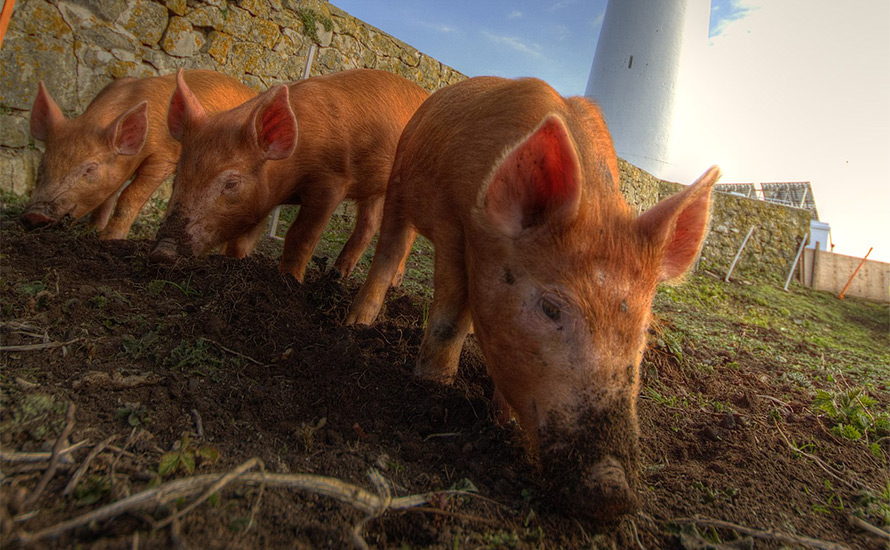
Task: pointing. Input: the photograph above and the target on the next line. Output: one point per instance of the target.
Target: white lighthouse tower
(636, 71)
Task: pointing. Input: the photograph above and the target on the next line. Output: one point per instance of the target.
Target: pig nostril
(164, 252)
(34, 220)
(610, 493)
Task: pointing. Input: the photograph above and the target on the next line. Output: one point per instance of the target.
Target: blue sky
(786, 90)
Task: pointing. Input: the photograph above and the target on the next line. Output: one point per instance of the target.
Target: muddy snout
(607, 491)
(36, 218)
(164, 252)
(592, 473)
(601, 492)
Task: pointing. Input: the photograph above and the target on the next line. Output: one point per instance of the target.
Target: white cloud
(560, 32)
(438, 27)
(560, 5)
(515, 14)
(514, 43)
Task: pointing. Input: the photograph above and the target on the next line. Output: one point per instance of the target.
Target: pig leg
(367, 222)
(305, 232)
(99, 217)
(243, 245)
(449, 320)
(396, 237)
(134, 196)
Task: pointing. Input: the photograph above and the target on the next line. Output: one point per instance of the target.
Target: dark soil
(225, 360)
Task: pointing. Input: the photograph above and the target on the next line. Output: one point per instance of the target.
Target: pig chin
(590, 462)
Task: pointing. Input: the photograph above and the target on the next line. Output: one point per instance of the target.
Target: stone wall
(772, 247)
(639, 187)
(78, 46)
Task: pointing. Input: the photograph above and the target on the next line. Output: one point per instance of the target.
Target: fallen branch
(16, 456)
(54, 458)
(874, 530)
(215, 488)
(37, 347)
(760, 534)
(365, 501)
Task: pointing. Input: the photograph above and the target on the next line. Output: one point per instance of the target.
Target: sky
(783, 90)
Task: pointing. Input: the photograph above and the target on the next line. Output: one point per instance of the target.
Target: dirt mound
(198, 367)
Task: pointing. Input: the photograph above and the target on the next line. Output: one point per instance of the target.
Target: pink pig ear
(127, 134)
(539, 180)
(45, 114)
(677, 225)
(184, 110)
(275, 125)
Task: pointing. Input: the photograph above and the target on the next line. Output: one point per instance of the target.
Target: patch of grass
(137, 348)
(155, 287)
(37, 414)
(853, 413)
(195, 356)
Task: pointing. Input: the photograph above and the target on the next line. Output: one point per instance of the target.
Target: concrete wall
(78, 46)
(830, 272)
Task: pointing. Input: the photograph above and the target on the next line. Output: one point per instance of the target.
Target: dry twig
(37, 347)
(371, 504)
(235, 353)
(75, 479)
(54, 458)
(866, 526)
(852, 484)
(766, 535)
(213, 489)
(16, 456)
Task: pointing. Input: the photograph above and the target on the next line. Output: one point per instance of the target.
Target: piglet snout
(164, 252)
(33, 219)
(606, 492)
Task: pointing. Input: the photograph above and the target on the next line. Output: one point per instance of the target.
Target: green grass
(811, 332)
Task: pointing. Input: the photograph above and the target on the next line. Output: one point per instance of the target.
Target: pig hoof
(164, 253)
(34, 220)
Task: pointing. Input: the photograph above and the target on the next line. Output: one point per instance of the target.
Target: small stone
(181, 39)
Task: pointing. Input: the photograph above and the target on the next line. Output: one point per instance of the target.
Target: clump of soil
(198, 367)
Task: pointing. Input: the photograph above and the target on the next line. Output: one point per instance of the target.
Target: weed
(310, 19)
(184, 457)
(31, 288)
(136, 414)
(92, 490)
(186, 288)
(193, 355)
(137, 348)
(306, 433)
(38, 415)
(853, 414)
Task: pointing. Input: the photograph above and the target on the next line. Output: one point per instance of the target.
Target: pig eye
(550, 309)
(231, 183)
(90, 169)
